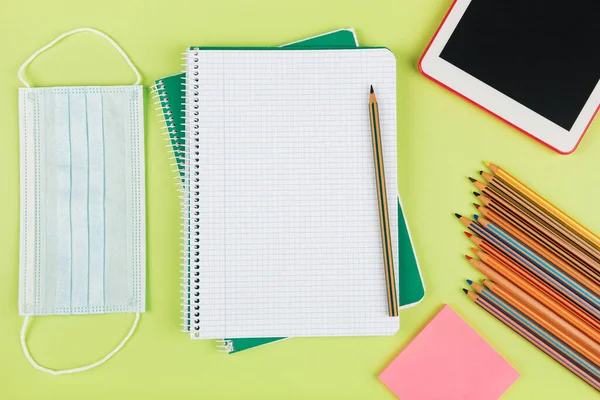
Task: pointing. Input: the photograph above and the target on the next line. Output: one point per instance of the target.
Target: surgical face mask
(83, 244)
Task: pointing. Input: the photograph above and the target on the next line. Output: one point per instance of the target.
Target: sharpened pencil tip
(476, 205)
(487, 163)
(468, 234)
(480, 172)
(476, 217)
(458, 215)
(472, 180)
(468, 257)
(470, 282)
(372, 91)
(477, 194)
(466, 291)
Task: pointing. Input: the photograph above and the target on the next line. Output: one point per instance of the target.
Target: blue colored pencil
(562, 358)
(554, 282)
(537, 329)
(576, 286)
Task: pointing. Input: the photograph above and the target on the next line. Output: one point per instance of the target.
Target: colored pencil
(535, 327)
(503, 191)
(567, 278)
(550, 321)
(386, 233)
(576, 307)
(538, 319)
(545, 205)
(562, 358)
(520, 287)
(546, 284)
(575, 268)
(506, 195)
(510, 211)
(555, 281)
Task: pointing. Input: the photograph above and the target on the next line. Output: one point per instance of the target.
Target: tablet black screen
(545, 54)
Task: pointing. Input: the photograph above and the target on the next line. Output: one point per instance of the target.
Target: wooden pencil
(566, 286)
(545, 205)
(503, 191)
(526, 312)
(386, 234)
(510, 211)
(574, 268)
(520, 287)
(562, 357)
(555, 247)
(567, 278)
(545, 284)
(506, 195)
(544, 313)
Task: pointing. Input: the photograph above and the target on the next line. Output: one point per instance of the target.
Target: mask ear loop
(78, 369)
(64, 35)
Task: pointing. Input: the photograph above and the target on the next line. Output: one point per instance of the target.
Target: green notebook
(169, 91)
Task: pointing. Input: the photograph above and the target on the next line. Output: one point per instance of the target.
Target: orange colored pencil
(545, 323)
(576, 269)
(532, 244)
(563, 358)
(504, 195)
(545, 205)
(508, 210)
(521, 288)
(546, 313)
(503, 264)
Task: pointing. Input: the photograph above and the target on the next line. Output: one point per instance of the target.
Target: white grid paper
(289, 231)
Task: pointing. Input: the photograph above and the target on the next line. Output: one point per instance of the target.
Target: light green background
(441, 140)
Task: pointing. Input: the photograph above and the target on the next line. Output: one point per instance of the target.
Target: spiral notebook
(283, 186)
(168, 96)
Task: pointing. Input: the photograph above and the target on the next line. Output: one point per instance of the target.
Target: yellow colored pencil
(545, 205)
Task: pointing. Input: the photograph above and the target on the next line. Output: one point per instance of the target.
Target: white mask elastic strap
(78, 369)
(64, 35)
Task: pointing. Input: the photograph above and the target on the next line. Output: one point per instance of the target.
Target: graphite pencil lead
(372, 91)
(480, 172)
(465, 290)
(477, 194)
(472, 180)
(476, 206)
(458, 215)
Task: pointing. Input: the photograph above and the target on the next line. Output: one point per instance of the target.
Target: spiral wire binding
(169, 130)
(191, 196)
(165, 118)
(185, 251)
(225, 346)
(185, 223)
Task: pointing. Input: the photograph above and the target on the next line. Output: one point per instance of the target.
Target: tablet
(535, 63)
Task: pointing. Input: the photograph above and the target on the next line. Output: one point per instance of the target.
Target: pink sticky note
(448, 360)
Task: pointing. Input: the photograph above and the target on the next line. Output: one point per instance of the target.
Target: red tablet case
(485, 109)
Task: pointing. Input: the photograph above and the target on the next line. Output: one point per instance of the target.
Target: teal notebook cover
(411, 288)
